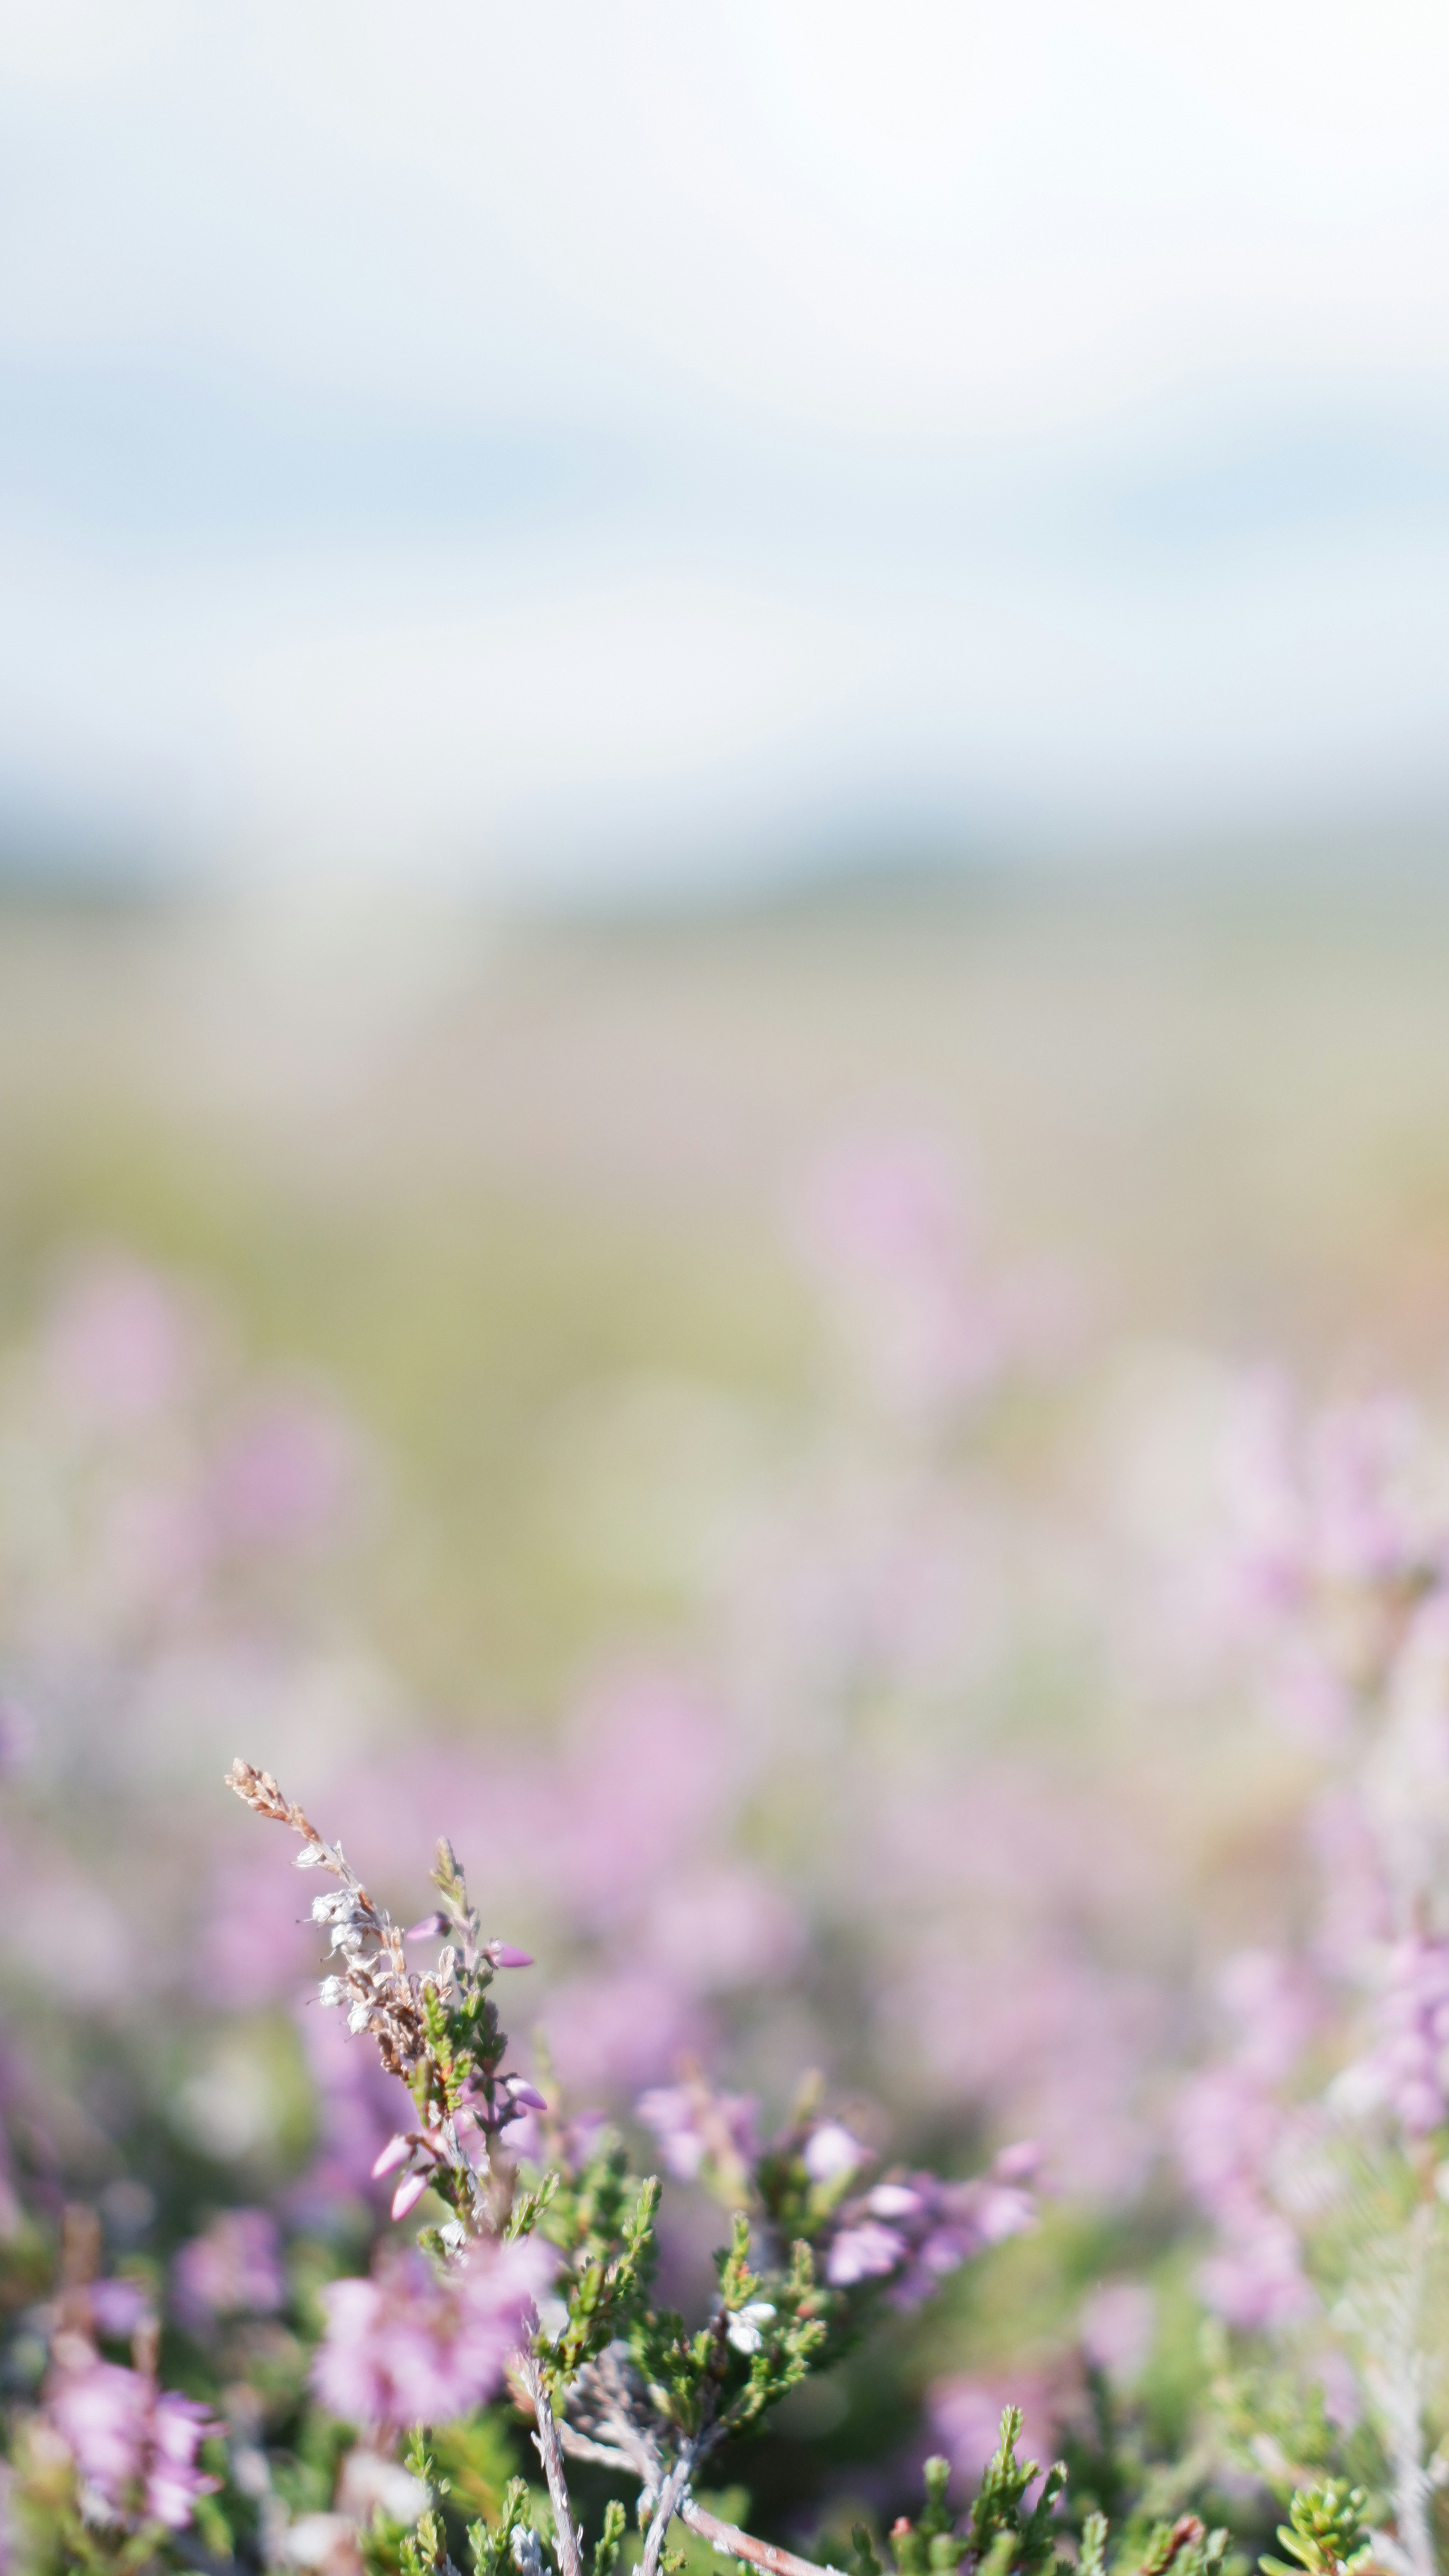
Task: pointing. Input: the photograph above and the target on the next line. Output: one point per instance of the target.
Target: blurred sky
(563, 446)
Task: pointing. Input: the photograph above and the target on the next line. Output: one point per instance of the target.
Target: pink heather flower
(504, 1955)
(284, 1476)
(1116, 2327)
(118, 2307)
(117, 1343)
(886, 1229)
(911, 2230)
(409, 2192)
(17, 1734)
(1257, 2281)
(134, 2446)
(965, 2414)
(1406, 2072)
(1230, 2133)
(713, 1929)
(234, 2269)
(694, 2125)
(831, 2152)
(405, 2347)
(865, 2252)
(620, 2024)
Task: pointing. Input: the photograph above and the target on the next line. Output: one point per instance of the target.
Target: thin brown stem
(566, 2538)
(728, 2538)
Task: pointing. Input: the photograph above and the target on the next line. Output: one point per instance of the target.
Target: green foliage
(611, 2538)
(602, 2219)
(999, 2511)
(1324, 2532)
(491, 2545)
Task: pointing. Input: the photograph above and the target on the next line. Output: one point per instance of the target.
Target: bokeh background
(722, 801)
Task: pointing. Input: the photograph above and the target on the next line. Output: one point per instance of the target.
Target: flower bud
(409, 2191)
(429, 1928)
(504, 1955)
(396, 2152)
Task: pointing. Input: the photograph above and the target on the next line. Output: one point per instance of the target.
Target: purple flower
(284, 1477)
(699, 2129)
(235, 2269)
(118, 1344)
(911, 2230)
(406, 2347)
(134, 2446)
(830, 2153)
(865, 2252)
(1407, 2073)
(965, 2417)
(1116, 2327)
(17, 1734)
(118, 2307)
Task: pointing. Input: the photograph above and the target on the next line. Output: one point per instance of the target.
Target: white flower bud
(331, 1992)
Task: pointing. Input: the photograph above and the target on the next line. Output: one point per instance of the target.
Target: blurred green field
(522, 1195)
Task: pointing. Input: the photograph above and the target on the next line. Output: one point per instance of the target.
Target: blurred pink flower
(693, 2124)
(965, 2412)
(1048, 2042)
(118, 2307)
(234, 2269)
(284, 1475)
(1406, 2073)
(250, 1948)
(884, 1226)
(134, 2446)
(17, 1734)
(1116, 2327)
(405, 2347)
(359, 2108)
(913, 2229)
(714, 1928)
(117, 1342)
(618, 2026)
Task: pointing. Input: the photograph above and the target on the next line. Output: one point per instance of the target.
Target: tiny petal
(504, 1955)
(832, 2152)
(409, 2191)
(745, 2338)
(429, 1928)
(311, 1856)
(358, 2018)
(396, 2152)
(526, 2093)
(332, 1992)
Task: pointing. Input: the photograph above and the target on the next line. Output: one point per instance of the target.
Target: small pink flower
(830, 2152)
(405, 2347)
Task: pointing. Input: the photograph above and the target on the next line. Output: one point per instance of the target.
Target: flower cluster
(134, 2445)
(410, 2346)
(909, 2230)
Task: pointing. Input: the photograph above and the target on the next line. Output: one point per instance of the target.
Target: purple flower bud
(526, 2093)
(504, 1955)
(863, 2253)
(1017, 2163)
(429, 1928)
(409, 2191)
(396, 2152)
(832, 2152)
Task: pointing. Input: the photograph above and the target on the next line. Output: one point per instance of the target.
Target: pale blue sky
(578, 446)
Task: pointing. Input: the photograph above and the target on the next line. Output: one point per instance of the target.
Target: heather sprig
(610, 2378)
(1324, 2533)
